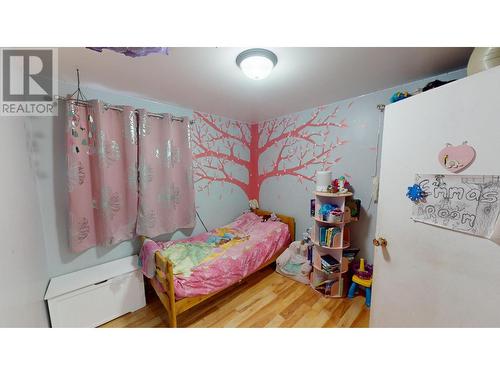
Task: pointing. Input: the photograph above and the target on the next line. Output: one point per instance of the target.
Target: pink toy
(456, 158)
(340, 185)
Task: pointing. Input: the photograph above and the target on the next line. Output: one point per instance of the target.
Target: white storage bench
(96, 295)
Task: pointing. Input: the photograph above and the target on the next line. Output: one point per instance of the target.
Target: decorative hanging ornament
(134, 51)
(456, 158)
(415, 193)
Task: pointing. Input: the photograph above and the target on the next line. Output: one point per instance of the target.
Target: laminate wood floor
(265, 299)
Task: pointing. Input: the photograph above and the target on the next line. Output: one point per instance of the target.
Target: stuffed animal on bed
(253, 204)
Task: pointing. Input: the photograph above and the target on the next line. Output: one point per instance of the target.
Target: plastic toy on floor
(362, 277)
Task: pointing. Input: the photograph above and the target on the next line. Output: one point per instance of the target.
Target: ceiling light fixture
(256, 63)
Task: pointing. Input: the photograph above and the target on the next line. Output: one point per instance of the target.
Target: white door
(429, 276)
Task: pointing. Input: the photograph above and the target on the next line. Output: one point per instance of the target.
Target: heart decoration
(456, 158)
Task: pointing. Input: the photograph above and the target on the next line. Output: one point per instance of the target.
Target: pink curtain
(166, 191)
(102, 175)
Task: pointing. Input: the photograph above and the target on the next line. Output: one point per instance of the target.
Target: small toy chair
(363, 278)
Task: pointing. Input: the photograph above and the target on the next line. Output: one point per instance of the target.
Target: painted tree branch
(285, 145)
(219, 148)
(300, 149)
(279, 129)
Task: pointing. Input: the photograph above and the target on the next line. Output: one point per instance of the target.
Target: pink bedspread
(231, 262)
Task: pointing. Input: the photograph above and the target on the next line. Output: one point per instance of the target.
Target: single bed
(189, 271)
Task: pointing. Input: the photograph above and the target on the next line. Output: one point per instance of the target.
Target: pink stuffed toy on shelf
(340, 185)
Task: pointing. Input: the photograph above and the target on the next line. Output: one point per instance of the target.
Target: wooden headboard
(288, 220)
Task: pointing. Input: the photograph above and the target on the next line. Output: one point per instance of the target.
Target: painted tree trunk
(253, 172)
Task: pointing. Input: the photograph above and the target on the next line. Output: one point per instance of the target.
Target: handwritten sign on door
(469, 204)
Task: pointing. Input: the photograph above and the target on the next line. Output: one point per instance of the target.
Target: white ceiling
(207, 79)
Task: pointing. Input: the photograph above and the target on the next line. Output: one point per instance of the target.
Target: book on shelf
(325, 286)
(322, 236)
(329, 264)
(313, 207)
(331, 271)
(326, 235)
(328, 259)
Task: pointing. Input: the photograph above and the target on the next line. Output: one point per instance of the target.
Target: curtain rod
(115, 108)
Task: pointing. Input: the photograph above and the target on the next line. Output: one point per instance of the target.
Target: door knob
(381, 241)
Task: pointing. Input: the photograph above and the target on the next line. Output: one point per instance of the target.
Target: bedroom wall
(23, 268)
(341, 136)
(48, 154)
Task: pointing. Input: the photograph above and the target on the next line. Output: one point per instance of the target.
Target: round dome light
(256, 63)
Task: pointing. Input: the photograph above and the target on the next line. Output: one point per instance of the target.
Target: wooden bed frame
(163, 282)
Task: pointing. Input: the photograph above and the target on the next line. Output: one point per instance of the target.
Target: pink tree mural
(221, 152)
(244, 155)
